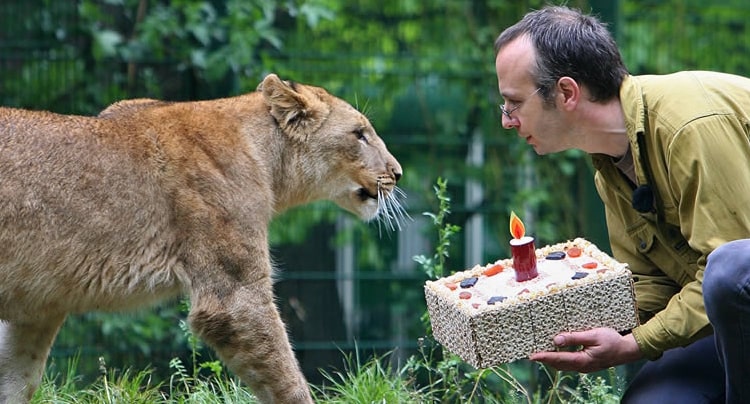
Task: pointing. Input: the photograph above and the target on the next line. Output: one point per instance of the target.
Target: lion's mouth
(364, 194)
(389, 208)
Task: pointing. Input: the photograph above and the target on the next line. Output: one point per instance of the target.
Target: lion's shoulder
(130, 106)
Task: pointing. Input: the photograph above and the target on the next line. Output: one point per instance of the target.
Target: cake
(487, 317)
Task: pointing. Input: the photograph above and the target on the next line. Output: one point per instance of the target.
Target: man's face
(536, 122)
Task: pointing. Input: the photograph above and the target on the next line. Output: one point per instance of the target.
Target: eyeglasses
(507, 112)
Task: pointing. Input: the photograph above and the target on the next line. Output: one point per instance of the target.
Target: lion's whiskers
(391, 211)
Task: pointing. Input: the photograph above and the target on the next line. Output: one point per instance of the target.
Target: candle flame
(517, 229)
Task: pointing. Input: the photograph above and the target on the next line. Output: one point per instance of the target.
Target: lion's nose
(395, 167)
(396, 174)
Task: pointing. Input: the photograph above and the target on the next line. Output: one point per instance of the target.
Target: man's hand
(600, 348)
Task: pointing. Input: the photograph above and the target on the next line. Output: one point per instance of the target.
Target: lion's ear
(298, 110)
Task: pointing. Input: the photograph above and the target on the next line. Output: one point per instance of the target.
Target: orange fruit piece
(493, 270)
(574, 252)
(589, 265)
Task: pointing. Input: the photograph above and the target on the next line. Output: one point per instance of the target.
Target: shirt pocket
(665, 247)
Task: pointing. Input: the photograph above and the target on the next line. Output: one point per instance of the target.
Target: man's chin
(539, 151)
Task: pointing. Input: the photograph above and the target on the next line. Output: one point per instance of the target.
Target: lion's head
(341, 150)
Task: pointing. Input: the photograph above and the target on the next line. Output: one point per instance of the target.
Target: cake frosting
(487, 317)
(559, 266)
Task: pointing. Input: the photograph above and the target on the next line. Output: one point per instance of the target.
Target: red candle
(522, 250)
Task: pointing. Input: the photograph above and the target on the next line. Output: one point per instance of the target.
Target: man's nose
(509, 123)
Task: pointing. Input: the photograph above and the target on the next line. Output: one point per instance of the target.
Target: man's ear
(569, 92)
(298, 112)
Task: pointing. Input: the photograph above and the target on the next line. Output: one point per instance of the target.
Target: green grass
(372, 380)
(134, 387)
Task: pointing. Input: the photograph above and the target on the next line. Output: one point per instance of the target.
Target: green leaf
(106, 43)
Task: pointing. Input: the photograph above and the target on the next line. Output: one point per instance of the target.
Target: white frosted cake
(488, 318)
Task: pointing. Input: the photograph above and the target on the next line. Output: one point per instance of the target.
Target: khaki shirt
(688, 134)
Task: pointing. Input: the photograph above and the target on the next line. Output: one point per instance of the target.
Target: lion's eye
(360, 133)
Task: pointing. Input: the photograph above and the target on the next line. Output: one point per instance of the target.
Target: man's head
(569, 43)
(549, 66)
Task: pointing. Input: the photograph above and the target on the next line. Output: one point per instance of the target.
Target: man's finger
(585, 338)
(561, 360)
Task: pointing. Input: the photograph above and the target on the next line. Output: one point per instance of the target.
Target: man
(672, 160)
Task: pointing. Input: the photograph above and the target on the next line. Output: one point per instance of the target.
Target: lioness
(152, 199)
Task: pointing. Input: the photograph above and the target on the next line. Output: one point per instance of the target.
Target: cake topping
(574, 252)
(469, 282)
(483, 286)
(556, 255)
(493, 270)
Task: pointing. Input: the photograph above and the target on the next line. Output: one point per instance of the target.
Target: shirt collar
(636, 115)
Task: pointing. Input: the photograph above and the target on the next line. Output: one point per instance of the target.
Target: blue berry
(556, 255)
(469, 282)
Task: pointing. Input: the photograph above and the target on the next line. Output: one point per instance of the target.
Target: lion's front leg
(244, 327)
(23, 353)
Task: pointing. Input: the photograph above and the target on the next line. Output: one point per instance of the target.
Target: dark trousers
(715, 369)
(681, 376)
(726, 293)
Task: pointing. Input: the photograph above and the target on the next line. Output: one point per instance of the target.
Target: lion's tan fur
(151, 199)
